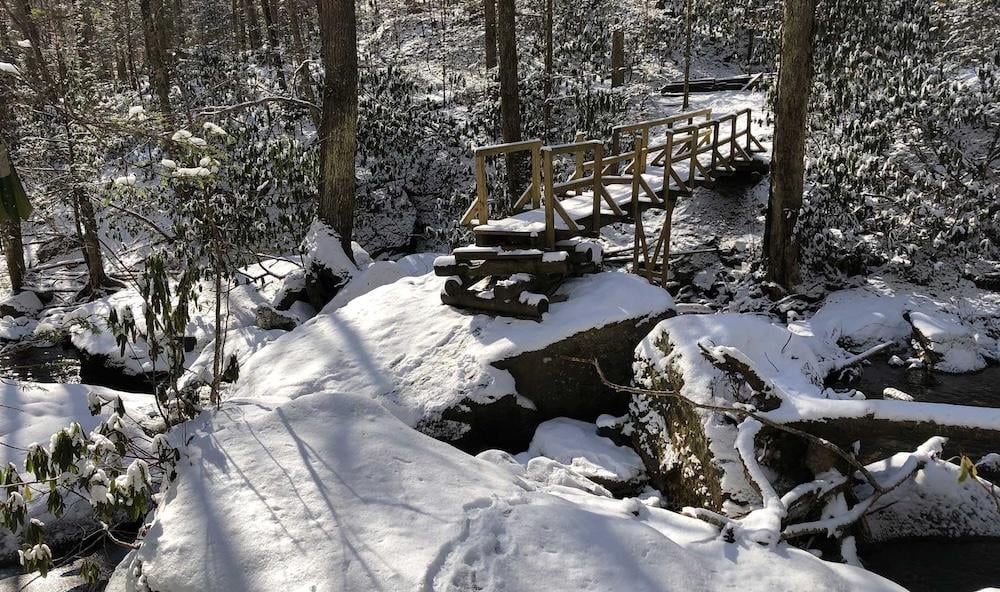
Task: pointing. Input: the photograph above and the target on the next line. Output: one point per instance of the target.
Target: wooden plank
(495, 149)
(550, 198)
(482, 196)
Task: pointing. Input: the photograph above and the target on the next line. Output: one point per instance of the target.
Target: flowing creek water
(936, 564)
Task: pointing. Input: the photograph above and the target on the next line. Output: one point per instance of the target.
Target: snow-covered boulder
(576, 444)
(329, 491)
(475, 380)
(690, 453)
(945, 343)
(24, 303)
(932, 503)
(327, 267)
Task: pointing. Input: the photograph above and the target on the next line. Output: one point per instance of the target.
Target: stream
(936, 564)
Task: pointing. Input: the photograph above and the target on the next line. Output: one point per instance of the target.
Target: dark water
(937, 565)
(981, 389)
(40, 364)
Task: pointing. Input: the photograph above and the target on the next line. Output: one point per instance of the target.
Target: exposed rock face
(549, 386)
(268, 318)
(690, 453)
(934, 503)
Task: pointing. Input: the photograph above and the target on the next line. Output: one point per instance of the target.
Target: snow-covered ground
(330, 491)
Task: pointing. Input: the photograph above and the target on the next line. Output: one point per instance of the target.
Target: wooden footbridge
(518, 262)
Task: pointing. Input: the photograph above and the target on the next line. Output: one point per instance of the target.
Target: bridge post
(550, 222)
(598, 188)
(481, 190)
(536, 175)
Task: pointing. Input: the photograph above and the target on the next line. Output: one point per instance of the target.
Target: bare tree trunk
(152, 26)
(510, 102)
(617, 58)
(239, 31)
(338, 129)
(22, 14)
(547, 86)
(303, 79)
(273, 42)
(788, 161)
(490, 16)
(84, 34)
(10, 229)
(253, 25)
(687, 53)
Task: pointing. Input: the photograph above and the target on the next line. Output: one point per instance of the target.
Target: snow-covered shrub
(903, 153)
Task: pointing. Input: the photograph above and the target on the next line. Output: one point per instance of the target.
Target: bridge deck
(518, 261)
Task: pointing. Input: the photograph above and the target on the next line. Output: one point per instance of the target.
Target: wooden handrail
(494, 149)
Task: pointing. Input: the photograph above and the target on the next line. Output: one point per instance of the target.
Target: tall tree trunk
(239, 31)
(510, 102)
(338, 129)
(547, 86)
(84, 34)
(10, 229)
(687, 54)
(490, 16)
(179, 31)
(253, 25)
(303, 79)
(617, 58)
(152, 26)
(788, 161)
(272, 41)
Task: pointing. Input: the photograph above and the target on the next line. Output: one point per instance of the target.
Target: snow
(9, 68)
(23, 303)
(329, 491)
(321, 247)
(952, 345)
(402, 347)
(576, 444)
(30, 413)
(137, 112)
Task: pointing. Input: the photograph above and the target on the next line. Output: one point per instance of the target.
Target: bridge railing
(481, 207)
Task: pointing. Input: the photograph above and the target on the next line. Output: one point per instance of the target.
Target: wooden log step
(527, 305)
(504, 268)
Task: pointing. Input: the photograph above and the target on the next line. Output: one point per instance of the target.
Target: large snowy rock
(576, 445)
(945, 343)
(329, 491)
(475, 380)
(932, 503)
(690, 453)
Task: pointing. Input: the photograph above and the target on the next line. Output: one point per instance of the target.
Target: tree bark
(10, 230)
(303, 80)
(253, 25)
(547, 86)
(788, 161)
(239, 32)
(21, 13)
(490, 16)
(273, 42)
(510, 102)
(338, 128)
(617, 58)
(687, 54)
(152, 26)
